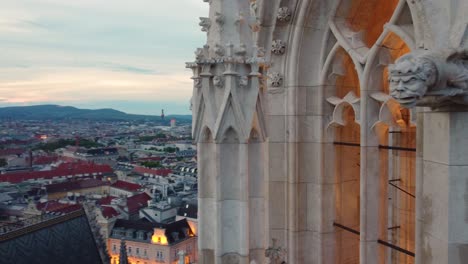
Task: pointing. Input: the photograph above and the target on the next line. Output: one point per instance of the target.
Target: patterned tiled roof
(136, 202)
(106, 200)
(159, 172)
(62, 239)
(109, 212)
(55, 206)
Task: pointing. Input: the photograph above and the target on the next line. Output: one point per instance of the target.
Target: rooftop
(63, 170)
(74, 185)
(128, 186)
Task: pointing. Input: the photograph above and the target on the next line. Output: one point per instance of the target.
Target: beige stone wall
(87, 191)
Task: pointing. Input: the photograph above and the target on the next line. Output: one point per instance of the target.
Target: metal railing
(380, 241)
(31, 224)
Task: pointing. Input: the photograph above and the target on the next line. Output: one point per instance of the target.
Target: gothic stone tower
(228, 127)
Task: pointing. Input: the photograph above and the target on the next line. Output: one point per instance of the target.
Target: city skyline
(99, 54)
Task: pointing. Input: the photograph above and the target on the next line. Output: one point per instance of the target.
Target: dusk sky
(124, 54)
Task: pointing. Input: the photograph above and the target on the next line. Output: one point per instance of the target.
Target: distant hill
(57, 112)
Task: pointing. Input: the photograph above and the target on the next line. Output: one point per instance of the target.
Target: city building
(76, 188)
(153, 243)
(106, 156)
(159, 211)
(335, 128)
(124, 188)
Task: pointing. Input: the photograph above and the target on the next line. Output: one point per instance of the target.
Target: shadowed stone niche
(231, 258)
(431, 79)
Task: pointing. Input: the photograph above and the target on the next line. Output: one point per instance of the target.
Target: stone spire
(123, 258)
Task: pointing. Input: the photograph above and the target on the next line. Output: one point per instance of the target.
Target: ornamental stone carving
(241, 50)
(219, 18)
(199, 53)
(197, 82)
(430, 79)
(218, 81)
(275, 79)
(219, 50)
(205, 24)
(284, 14)
(243, 81)
(275, 253)
(260, 52)
(255, 20)
(278, 47)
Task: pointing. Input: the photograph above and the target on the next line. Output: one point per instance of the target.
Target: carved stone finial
(278, 47)
(430, 79)
(284, 14)
(218, 81)
(275, 79)
(243, 81)
(205, 23)
(219, 50)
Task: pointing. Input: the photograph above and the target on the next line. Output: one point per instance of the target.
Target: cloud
(74, 51)
(129, 68)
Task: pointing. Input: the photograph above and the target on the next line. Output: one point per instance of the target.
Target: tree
(151, 164)
(3, 162)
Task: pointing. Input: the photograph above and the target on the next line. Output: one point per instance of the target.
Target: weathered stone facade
(301, 136)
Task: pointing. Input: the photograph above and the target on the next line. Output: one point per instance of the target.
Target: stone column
(443, 196)
(438, 80)
(369, 185)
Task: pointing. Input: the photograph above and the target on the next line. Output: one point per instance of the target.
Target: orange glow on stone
(193, 227)
(159, 237)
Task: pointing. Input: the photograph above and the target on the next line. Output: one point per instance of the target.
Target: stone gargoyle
(425, 78)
